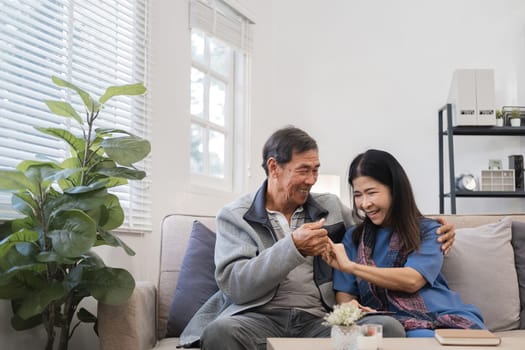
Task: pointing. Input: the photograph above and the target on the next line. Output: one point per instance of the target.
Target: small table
(507, 343)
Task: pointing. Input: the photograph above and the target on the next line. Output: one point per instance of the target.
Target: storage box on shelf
(497, 180)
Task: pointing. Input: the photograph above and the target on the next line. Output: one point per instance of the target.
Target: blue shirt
(428, 261)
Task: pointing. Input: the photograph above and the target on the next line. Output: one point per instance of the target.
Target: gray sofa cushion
(483, 259)
(518, 243)
(196, 281)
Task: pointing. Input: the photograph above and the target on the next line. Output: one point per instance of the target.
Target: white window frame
(205, 179)
(215, 18)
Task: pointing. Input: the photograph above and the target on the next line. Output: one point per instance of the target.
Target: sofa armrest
(132, 325)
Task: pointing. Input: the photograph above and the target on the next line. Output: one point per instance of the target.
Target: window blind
(93, 44)
(223, 21)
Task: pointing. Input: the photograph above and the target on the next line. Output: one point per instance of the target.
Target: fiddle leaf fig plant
(47, 261)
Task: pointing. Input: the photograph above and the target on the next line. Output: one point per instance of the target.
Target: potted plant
(342, 319)
(515, 117)
(47, 264)
(499, 117)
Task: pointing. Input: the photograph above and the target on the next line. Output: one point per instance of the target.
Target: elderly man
(271, 277)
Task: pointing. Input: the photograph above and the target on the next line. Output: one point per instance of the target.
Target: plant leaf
(100, 184)
(72, 232)
(129, 90)
(126, 150)
(19, 282)
(39, 173)
(21, 236)
(24, 203)
(19, 324)
(36, 302)
(86, 98)
(122, 172)
(109, 215)
(109, 131)
(46, 257)
(109, 285)
(18, 224)
(14, 180)
(86, 316)
(63, 109)
(114, 241)
(83, 201)
(77, 143)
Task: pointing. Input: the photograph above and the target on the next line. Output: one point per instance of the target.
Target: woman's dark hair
(282, 144)
(404, 214)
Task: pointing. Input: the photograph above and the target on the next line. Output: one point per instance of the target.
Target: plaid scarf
(410, 308)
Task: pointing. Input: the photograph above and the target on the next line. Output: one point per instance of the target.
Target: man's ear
(272, 165)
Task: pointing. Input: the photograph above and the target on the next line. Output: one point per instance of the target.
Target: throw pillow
(480, 267)
(196, 282)
(518, 242)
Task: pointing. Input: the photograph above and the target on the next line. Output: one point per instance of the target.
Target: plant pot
(499, 122)
(515, 122)
(345, 337)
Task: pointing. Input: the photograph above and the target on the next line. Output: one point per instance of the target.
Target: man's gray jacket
(251, 262)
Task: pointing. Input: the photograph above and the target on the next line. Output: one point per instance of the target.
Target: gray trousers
(249, 330)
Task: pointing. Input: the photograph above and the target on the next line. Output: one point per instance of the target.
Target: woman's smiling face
(373, 198)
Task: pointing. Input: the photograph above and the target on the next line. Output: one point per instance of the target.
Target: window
(93, 44)
(211, 100)
(220, 45)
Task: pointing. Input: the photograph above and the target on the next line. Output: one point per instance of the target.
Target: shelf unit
(448, 133)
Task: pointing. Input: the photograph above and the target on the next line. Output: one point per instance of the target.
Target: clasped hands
(311, 239)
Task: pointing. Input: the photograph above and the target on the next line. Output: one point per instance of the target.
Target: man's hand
(311, 239)
(446, 235)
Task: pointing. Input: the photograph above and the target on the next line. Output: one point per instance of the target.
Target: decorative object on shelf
(499, 117)
(466, 182)
(516, 163)
(495, 164)
(513, 115)
(47, 264)
(344, 331)
(497, 180)
(472, 95)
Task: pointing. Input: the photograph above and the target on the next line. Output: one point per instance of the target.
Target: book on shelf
(450, 336)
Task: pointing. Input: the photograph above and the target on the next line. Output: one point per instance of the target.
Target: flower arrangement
(343, 315)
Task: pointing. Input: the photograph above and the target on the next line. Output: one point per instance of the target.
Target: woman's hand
(337, 258)
(362, 307)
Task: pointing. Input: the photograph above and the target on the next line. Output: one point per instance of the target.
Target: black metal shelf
(508, 194)
(448, 134)
(487, 130)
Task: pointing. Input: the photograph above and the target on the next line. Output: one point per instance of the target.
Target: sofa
(486, 267)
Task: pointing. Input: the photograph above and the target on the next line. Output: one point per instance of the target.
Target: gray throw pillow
(480, 267)
(196, 283)
(518, 243)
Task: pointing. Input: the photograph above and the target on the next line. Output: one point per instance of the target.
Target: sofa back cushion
(481, 269)
(175, 231)
(518, 243)
(196, 282)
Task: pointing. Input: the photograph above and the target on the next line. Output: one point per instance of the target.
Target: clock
(466, 182)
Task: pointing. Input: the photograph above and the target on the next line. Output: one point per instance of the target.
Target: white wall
(372, 74)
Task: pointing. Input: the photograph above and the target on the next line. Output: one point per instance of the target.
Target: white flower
(343, 315)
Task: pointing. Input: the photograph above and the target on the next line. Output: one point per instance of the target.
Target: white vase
(499, 122)
(515, 121)
(345, 337)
